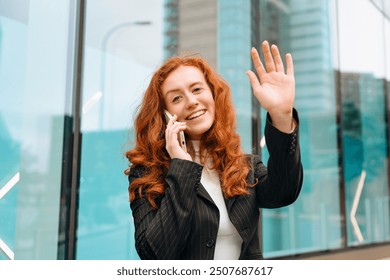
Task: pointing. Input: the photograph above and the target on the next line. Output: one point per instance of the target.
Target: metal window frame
(72, 142)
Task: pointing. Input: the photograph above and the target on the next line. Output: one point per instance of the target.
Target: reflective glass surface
(234, 43)
(342, 67)
(34, 47)
(362, 73)
(311, 31)
(123, 45)
(312, 223)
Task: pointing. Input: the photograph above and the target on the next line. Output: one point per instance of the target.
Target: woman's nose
(192, 101)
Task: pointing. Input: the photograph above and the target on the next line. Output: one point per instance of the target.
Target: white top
(228, 244)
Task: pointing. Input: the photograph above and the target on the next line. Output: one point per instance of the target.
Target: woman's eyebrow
(195, 83)
(177, 89)
(172, 90)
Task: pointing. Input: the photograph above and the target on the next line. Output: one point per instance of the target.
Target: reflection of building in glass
(234, 44)
(171, 21)
(191, 28)
(304, 30)
(363, 112)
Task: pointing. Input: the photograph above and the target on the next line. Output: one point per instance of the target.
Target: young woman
(202, 201)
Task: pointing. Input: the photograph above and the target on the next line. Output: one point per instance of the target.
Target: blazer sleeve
(280, 183)
(162, 233)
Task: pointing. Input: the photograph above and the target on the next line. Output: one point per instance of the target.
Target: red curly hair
(221, 141)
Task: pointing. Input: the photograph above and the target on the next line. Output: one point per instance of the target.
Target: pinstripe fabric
(185, 225)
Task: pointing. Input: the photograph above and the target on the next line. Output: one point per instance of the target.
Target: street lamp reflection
(101, 92)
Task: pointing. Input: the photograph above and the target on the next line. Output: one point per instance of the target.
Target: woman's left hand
(275, 88)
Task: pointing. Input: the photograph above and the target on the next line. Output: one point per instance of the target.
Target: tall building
(191, 28)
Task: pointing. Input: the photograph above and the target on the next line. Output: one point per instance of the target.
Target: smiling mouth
(196, 115)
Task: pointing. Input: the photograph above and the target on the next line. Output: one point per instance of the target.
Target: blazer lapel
(229, 203)
(204, 194)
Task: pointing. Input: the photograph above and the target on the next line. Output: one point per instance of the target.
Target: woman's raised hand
(274, 87)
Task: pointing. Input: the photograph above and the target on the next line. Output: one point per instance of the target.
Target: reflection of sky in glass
(9, 148)
(133, 52)
(33, 77)
(125, 83)
(121, 74)
(12, 68)
(361, 38)
(387, 47)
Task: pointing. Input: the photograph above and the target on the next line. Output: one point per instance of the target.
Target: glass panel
(312, 223)
(378, 3)
(387, 86)
(123, 45)
(33, 82)
(234, 44)
(387, 43)
(198, 29)
(386, 10)
(362, 70)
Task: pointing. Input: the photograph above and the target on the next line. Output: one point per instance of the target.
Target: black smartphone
(182, 139)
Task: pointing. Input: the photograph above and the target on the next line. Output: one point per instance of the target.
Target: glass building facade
(73, 72)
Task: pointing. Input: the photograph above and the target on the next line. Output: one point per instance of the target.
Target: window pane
(362, 72)
(34, 74)
(312, 223)
(234, 44)
(123, 45)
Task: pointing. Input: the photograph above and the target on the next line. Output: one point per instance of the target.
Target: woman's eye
(176, 98)
(197, 90)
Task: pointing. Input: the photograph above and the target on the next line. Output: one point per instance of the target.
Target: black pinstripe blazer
(185, 225)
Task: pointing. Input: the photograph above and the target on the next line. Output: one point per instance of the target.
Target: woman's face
(187, 94)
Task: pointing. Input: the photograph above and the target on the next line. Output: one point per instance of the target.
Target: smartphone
(181, 138)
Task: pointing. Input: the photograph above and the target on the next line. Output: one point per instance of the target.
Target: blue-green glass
(104, 214)
(364, 124)
(234, 44)
(12, 33)
(33, 83)
(119, 56)
(312, 223)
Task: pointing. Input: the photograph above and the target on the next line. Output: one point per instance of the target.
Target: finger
(269, 61)
(172, 120)
(175, 128)
(257, 63)
(277, 59)
(289, 64)
(172, 137)
(178, 124)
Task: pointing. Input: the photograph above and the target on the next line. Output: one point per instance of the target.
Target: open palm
(273, 87)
